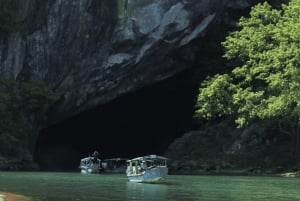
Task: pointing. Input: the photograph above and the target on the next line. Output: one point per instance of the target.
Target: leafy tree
(265, 81)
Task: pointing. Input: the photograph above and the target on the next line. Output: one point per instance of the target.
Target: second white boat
(151, 169)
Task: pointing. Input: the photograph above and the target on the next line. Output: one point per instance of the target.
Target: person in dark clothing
(96, 156)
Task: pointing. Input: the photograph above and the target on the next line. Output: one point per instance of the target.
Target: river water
(49, 186)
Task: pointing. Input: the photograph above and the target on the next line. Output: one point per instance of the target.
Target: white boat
(114, 165)
(90, 165)
(150, 169)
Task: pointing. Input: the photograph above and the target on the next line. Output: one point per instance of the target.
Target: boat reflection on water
(146, 191)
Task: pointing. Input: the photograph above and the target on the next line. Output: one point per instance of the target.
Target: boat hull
(88, 170)
(151, 175)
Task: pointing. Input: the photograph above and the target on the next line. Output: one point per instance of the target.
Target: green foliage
(22, 111)
(9, 21)
(265, 84)
(36, 96)
(215, 93)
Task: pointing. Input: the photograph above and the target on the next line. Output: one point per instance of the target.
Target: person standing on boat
(143, 165)
(96, 156)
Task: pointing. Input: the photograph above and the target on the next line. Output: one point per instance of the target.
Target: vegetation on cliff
(9, 21)
(265, 82)
(23, 106)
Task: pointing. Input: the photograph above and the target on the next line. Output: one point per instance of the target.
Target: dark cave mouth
(140, 123)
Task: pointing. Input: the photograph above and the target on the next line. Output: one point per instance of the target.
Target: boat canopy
(116, 159)
(149, 157)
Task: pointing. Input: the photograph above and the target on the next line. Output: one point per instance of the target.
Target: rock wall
(93, 51)
(221, 148)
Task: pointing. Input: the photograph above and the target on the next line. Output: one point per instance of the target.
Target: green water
(100, 187)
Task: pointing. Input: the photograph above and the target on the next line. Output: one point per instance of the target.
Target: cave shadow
(140, 123)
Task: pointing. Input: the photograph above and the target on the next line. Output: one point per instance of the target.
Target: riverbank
(5, 196)
(239, 172)
(290, 174)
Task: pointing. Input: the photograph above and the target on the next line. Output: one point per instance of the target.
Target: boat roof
(149, 157)
(87, 158)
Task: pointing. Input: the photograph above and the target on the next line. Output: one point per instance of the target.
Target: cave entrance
(142, 122)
